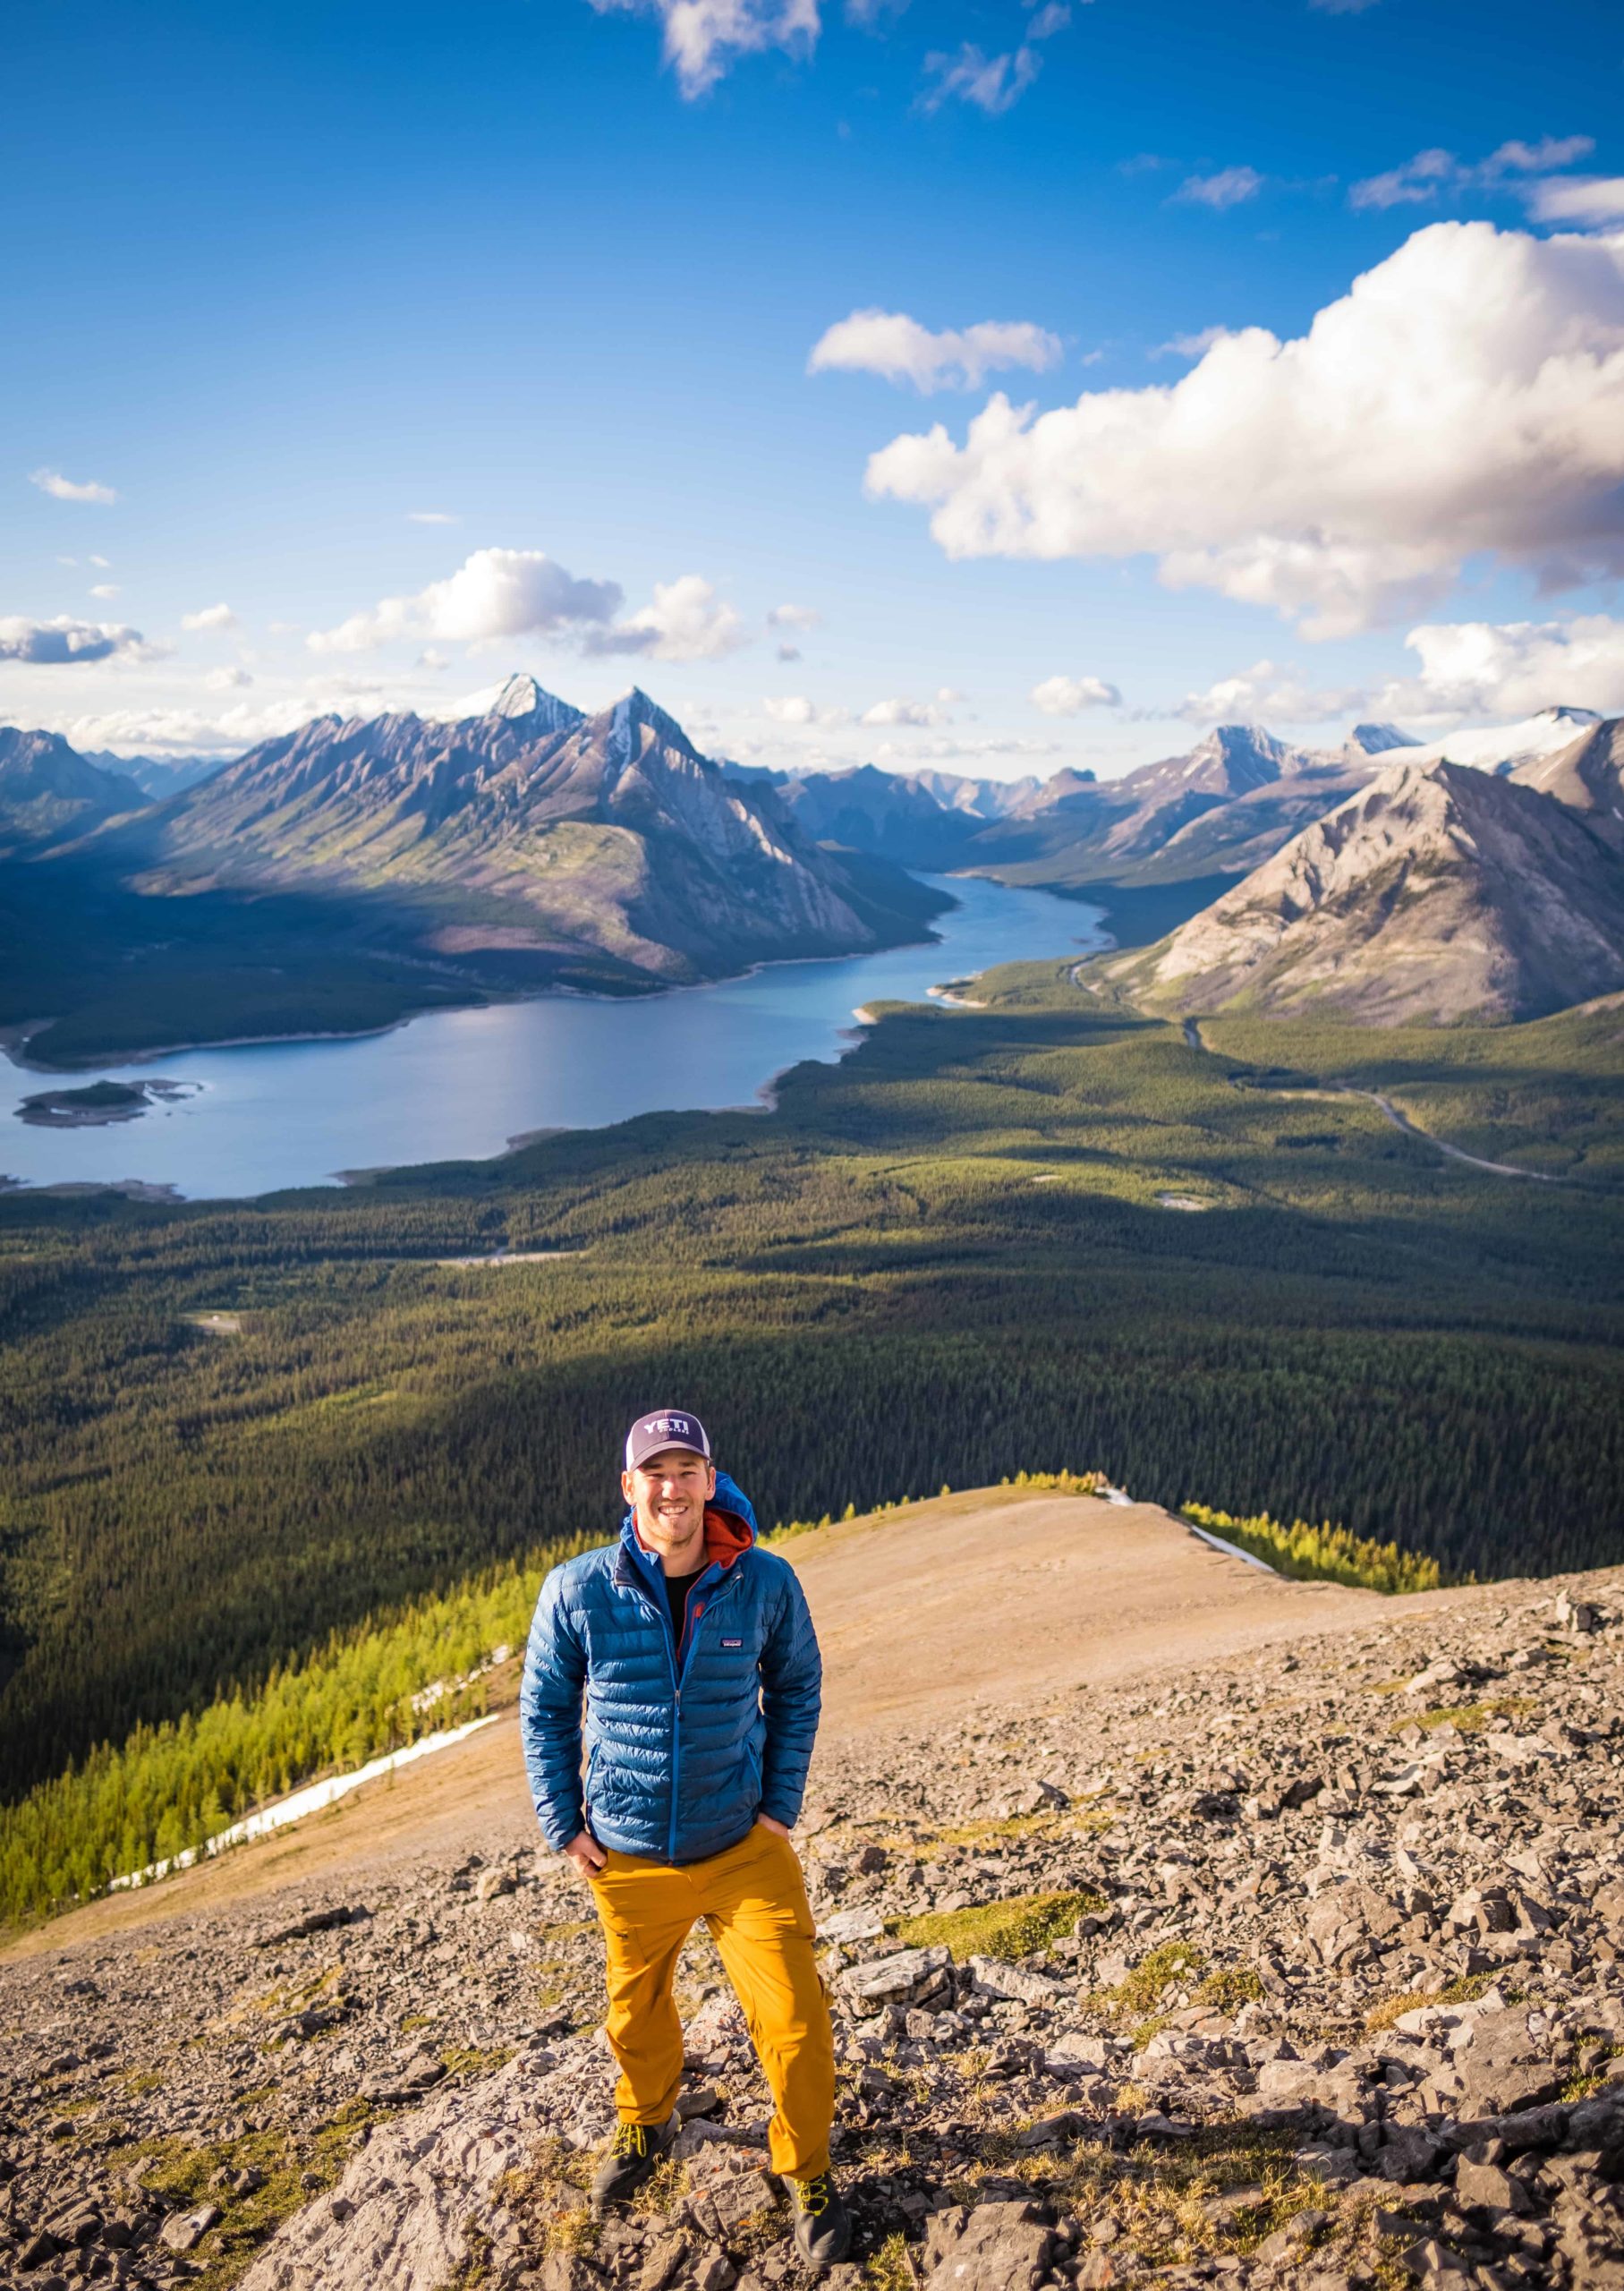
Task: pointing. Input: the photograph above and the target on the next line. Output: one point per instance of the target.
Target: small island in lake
(97, 1103)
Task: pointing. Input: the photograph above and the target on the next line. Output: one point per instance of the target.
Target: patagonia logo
(732, 1642)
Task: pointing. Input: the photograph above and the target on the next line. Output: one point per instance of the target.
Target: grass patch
(996, 1928)
(1462, 1992)
(1230, 1987)
(890, 2268)
(188, 2176)
(469, 2060)
(549, 2194)
(1175, 1965)
(1220, 2193)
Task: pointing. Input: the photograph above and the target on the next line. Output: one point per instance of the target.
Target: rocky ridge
(1438, 891)
(49, 791)
(1306, 1969)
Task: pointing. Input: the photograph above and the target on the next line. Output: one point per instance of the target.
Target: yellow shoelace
(811, 2196)
(631, 2140)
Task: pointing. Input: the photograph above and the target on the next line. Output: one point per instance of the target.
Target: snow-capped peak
(1502, 747)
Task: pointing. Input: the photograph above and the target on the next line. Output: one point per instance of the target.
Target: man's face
(669, 1493)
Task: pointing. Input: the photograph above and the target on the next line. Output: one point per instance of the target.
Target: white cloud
(1341, 7)
(1316, 475)
(1533, 158)
(1418, 180)
(897, 348)
(104, 591)
(793, 616)
(184, 730)
(704, 37)
(62, 642)
(1268, 695)
(211, 617)
(1070, 695)
(64, 488)
(227, 679)
(1408, 185)
(1189, 346)
(913, 754)
(1585, 199)
(922, 712)
(495, 593)
(688, 621)
(1477, 667)
(430, 517)
(1230, 187)
(795, 708)
(104, 563)
(992, 83)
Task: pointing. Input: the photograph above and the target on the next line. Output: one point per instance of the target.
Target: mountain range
(533, 829)
(49, 791)
(530, 843)
(1437, 891)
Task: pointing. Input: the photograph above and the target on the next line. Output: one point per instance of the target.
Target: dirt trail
(994, 1596)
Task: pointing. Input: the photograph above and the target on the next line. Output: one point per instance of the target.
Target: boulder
(1074, 2053)
(995, 2247)
(1017, 1984)
(184, 2231)
(907, 1978)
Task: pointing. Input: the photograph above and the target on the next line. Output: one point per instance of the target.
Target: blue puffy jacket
(684, 1747)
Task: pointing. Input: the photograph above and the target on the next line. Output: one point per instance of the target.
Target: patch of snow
(308, 1800)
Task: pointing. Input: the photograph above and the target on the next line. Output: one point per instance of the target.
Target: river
(460, 1085)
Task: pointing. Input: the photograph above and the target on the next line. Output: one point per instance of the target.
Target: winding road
(1398, 1119)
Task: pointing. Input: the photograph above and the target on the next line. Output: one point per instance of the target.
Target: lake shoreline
(332, 1110)
(14, 1038)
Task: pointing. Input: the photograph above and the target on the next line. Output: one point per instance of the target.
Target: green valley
(230, 1430)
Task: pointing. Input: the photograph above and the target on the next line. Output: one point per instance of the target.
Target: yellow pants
(753, 1899)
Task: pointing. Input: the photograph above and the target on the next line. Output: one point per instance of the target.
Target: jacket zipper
(662, 1609)
(678, 1676)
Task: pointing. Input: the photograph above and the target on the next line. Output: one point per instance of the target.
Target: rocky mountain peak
(633, 725)
(1248, 755)
(521, 698)
(1573, 719)
(1376, 739)
(1587, 775)
(1436, 891)
(47, 789)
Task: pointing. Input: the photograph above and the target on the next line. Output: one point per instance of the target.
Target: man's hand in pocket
(586, 1853)
(766, 1821)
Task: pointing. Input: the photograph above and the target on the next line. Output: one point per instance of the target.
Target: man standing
(696, 1656)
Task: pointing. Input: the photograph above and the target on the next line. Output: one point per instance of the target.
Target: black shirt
(677, 1588)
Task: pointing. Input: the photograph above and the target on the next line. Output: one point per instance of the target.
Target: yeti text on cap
(671, 1428)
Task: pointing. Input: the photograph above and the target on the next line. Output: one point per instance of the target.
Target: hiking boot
(823, 2225)
(629, 2159)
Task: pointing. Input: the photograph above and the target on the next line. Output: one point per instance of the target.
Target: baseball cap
(667, 1427)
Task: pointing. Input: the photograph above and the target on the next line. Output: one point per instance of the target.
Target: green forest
(947, 1259)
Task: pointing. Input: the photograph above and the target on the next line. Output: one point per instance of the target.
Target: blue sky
(286, 280)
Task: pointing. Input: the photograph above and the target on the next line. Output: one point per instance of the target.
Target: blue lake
(460, 1085)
